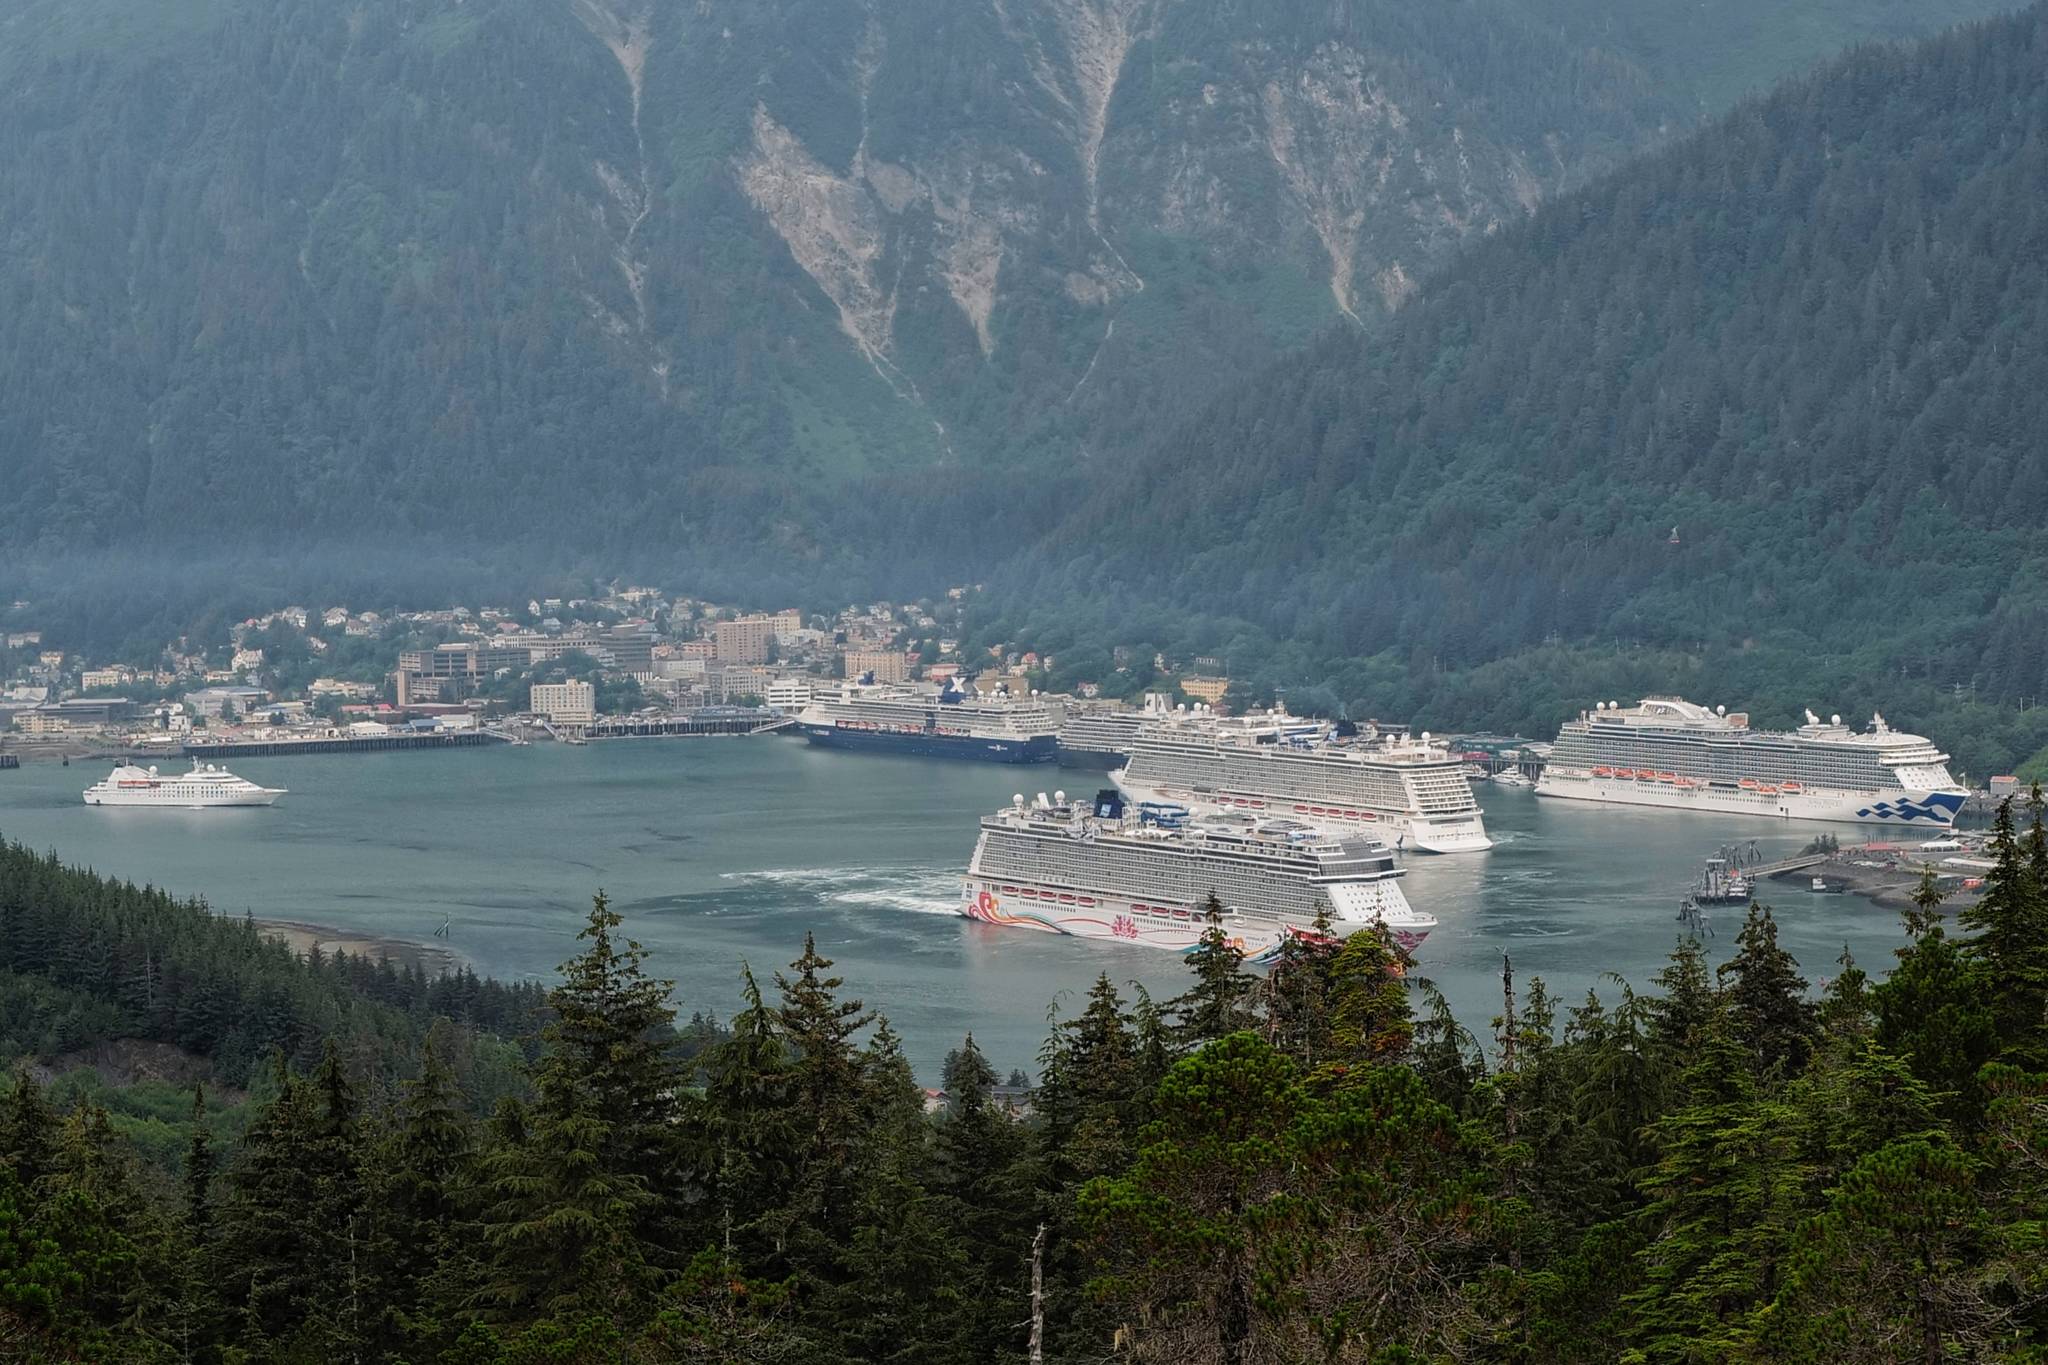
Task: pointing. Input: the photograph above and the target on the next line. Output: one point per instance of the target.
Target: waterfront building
(567, 703)
(1210, 690)
(887, 665)
(226, 702)
(788, 693)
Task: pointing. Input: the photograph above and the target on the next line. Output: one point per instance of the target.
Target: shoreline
(302, 937)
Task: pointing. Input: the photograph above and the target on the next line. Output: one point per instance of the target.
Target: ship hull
(1094, 760)
(256, 798)
(1115, 919)
(1428, 834)
(1922, 809)
(1034, 749)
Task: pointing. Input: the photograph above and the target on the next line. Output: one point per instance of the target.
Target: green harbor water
(726, 851)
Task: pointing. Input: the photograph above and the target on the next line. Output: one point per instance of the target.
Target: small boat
(1790, 788)
(1821, 886)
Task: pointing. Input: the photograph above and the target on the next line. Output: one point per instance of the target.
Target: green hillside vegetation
(287, 276)
(1811, 342)
(1289, 1167)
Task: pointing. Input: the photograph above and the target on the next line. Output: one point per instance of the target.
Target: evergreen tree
(28, 1134)
(1935, 1011)
(1370, 1021)
(902, 1296)
(1218, 1003)
(1722, 1199)
(1766, 999)
(1295, 998)
(1845, 1008)
(424, 1201)
(2010, 924)
(1884, 1273)
(983, 1182)
(1196, 1233)
(561, 1214)
(751, 1126)
(201, 1164)
(828, 1087)
(614, 1026)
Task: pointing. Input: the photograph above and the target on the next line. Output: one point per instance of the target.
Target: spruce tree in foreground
(2010, 927)
(1218, 1003)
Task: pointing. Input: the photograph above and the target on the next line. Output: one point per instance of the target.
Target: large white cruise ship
(1143, 876)
(203, 787)
(1408, 791)
(931, 723)
(1100, 737)
(1668, 752)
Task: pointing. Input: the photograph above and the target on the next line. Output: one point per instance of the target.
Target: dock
(213, 750)
(686, 724)
(1784, 865)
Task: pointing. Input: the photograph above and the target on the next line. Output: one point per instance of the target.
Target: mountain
(836, 291)
(1764, 407)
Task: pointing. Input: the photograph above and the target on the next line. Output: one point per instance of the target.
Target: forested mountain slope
(744, 282)
(1781, 386)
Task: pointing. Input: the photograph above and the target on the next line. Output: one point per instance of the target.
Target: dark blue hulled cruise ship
(932, 724)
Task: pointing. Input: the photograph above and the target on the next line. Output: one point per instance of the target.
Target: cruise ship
(931, 723)
(1100, 736)
(1407, 791)
(1143, 876)
(205, 786)
(1665, 751)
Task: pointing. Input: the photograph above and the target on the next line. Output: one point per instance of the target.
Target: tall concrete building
(746, 640)
(888, 665)
(567, 703)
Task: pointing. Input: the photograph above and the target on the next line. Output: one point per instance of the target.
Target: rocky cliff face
(688, 267)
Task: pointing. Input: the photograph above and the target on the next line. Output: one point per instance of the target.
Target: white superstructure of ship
(1668, 752)
(204, 787)
(933, 722)
(1099, 735)
(1144, 874)
(1407, 790)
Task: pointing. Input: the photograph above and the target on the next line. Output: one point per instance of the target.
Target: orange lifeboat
(1792, 787)
(1748, 784)
(1603, 772)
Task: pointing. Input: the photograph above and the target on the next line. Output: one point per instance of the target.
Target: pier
(1785, 865)
(339, 744)
(716, 721)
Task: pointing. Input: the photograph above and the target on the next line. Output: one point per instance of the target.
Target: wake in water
(916, 890)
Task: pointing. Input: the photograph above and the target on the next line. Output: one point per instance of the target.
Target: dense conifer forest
(1313, 1164)
(1757, 417)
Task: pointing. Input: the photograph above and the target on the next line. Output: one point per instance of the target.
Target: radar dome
(1060, 797)
(1834, 720)
(1721, 710)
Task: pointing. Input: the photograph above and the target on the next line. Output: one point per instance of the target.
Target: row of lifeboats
(1748, 784)
(1334, 811)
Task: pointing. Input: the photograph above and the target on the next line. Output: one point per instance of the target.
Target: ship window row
(1764, 763)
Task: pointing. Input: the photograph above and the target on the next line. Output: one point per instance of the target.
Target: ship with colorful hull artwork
(1144, 874)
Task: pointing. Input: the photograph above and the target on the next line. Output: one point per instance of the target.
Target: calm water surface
(723, 851)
